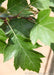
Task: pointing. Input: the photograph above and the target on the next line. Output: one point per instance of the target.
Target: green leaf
(22, 50)
(21, 26)
(24, 55)
(43, 29)
(40, 4)
(3, 39)
(19, 7)
(1, 22)
(52, 8)
(51, 3)
(52, 46)
(2, 36)
(2, 47)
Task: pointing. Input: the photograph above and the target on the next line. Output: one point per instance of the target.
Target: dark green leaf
(2, 47)
(2, 36)
(44, 29)
(22, 49)
(52, 8)
(21, 26)
(24, 55)
(18, 7)
(52, 46)
(3, 39)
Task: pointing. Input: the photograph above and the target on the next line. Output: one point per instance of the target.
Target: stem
(13, 17)
(10, 28)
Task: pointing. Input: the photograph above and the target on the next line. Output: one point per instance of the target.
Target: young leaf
(16, 7)
(44, 29)
(1, 22)
(40, 4)
(23, 53)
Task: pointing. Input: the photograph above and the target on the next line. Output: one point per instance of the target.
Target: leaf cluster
(19, 31)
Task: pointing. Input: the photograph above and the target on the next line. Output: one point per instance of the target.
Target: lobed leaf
(2, 36)
(22, 49)
(44, 29)
(24, 55)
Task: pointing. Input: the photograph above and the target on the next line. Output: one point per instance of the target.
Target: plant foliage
(19, 31)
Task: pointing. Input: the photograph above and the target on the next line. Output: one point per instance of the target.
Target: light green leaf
(1, 22)
(40, 4)
(18, 7)
(51, 3)
(44, 29)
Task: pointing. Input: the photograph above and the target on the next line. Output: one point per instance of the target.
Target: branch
(13, 17)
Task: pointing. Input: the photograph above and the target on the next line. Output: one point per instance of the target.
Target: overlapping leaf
(3, 39)
(2, 35)
(44, 29)
(21, 48)
(18, 31)
(18, 7)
